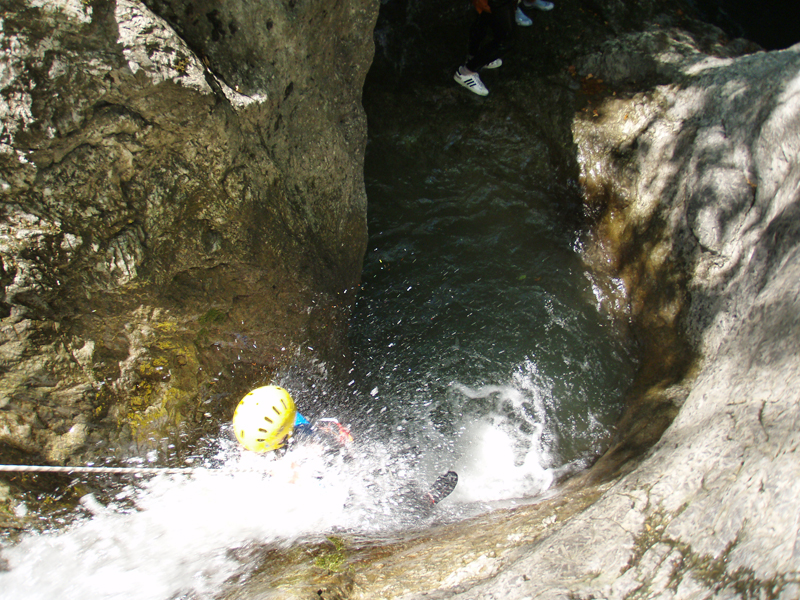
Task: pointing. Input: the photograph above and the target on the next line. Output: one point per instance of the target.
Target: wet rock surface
(174, 227)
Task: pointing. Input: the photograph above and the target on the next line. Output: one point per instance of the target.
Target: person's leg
(501, 22)
(503, 27)
(414, 501)
(478, 31)
(467, 77)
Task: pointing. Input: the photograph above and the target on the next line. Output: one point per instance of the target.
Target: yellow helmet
(264, 419)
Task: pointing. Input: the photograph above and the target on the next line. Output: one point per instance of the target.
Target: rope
(109, 470)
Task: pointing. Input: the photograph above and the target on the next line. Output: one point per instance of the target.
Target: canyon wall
(183, 202)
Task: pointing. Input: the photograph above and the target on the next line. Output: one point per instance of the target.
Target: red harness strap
(336, 430)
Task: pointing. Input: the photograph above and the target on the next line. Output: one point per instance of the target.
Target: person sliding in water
(267, 420)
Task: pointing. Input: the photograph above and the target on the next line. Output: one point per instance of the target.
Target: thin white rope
(109, 470)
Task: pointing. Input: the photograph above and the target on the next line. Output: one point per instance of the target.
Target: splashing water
(174, 534)
(478, 345)
(179, 537)
(499, 460)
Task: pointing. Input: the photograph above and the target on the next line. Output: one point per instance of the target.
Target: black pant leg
(501, 23)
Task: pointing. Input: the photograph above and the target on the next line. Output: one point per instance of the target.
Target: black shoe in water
(442, 487)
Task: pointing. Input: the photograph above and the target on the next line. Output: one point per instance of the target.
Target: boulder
(183, 212)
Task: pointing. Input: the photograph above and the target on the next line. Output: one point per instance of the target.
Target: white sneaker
(522, 19)
(472, 82)
(495, 64)
(540, 4)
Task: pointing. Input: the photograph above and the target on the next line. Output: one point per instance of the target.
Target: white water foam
(179, 536)
(499, 460)
(174, 535)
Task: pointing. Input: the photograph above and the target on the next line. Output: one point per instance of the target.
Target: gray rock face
(171, 219)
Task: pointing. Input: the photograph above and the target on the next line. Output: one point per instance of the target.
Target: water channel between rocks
(478, 334)
(480, 345)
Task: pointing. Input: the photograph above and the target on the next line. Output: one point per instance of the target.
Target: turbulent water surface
(479, 346)
(479, 335)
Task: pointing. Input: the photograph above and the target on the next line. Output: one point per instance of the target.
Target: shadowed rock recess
(181, 205)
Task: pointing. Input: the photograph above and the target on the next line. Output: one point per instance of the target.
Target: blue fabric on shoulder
(302, 426)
